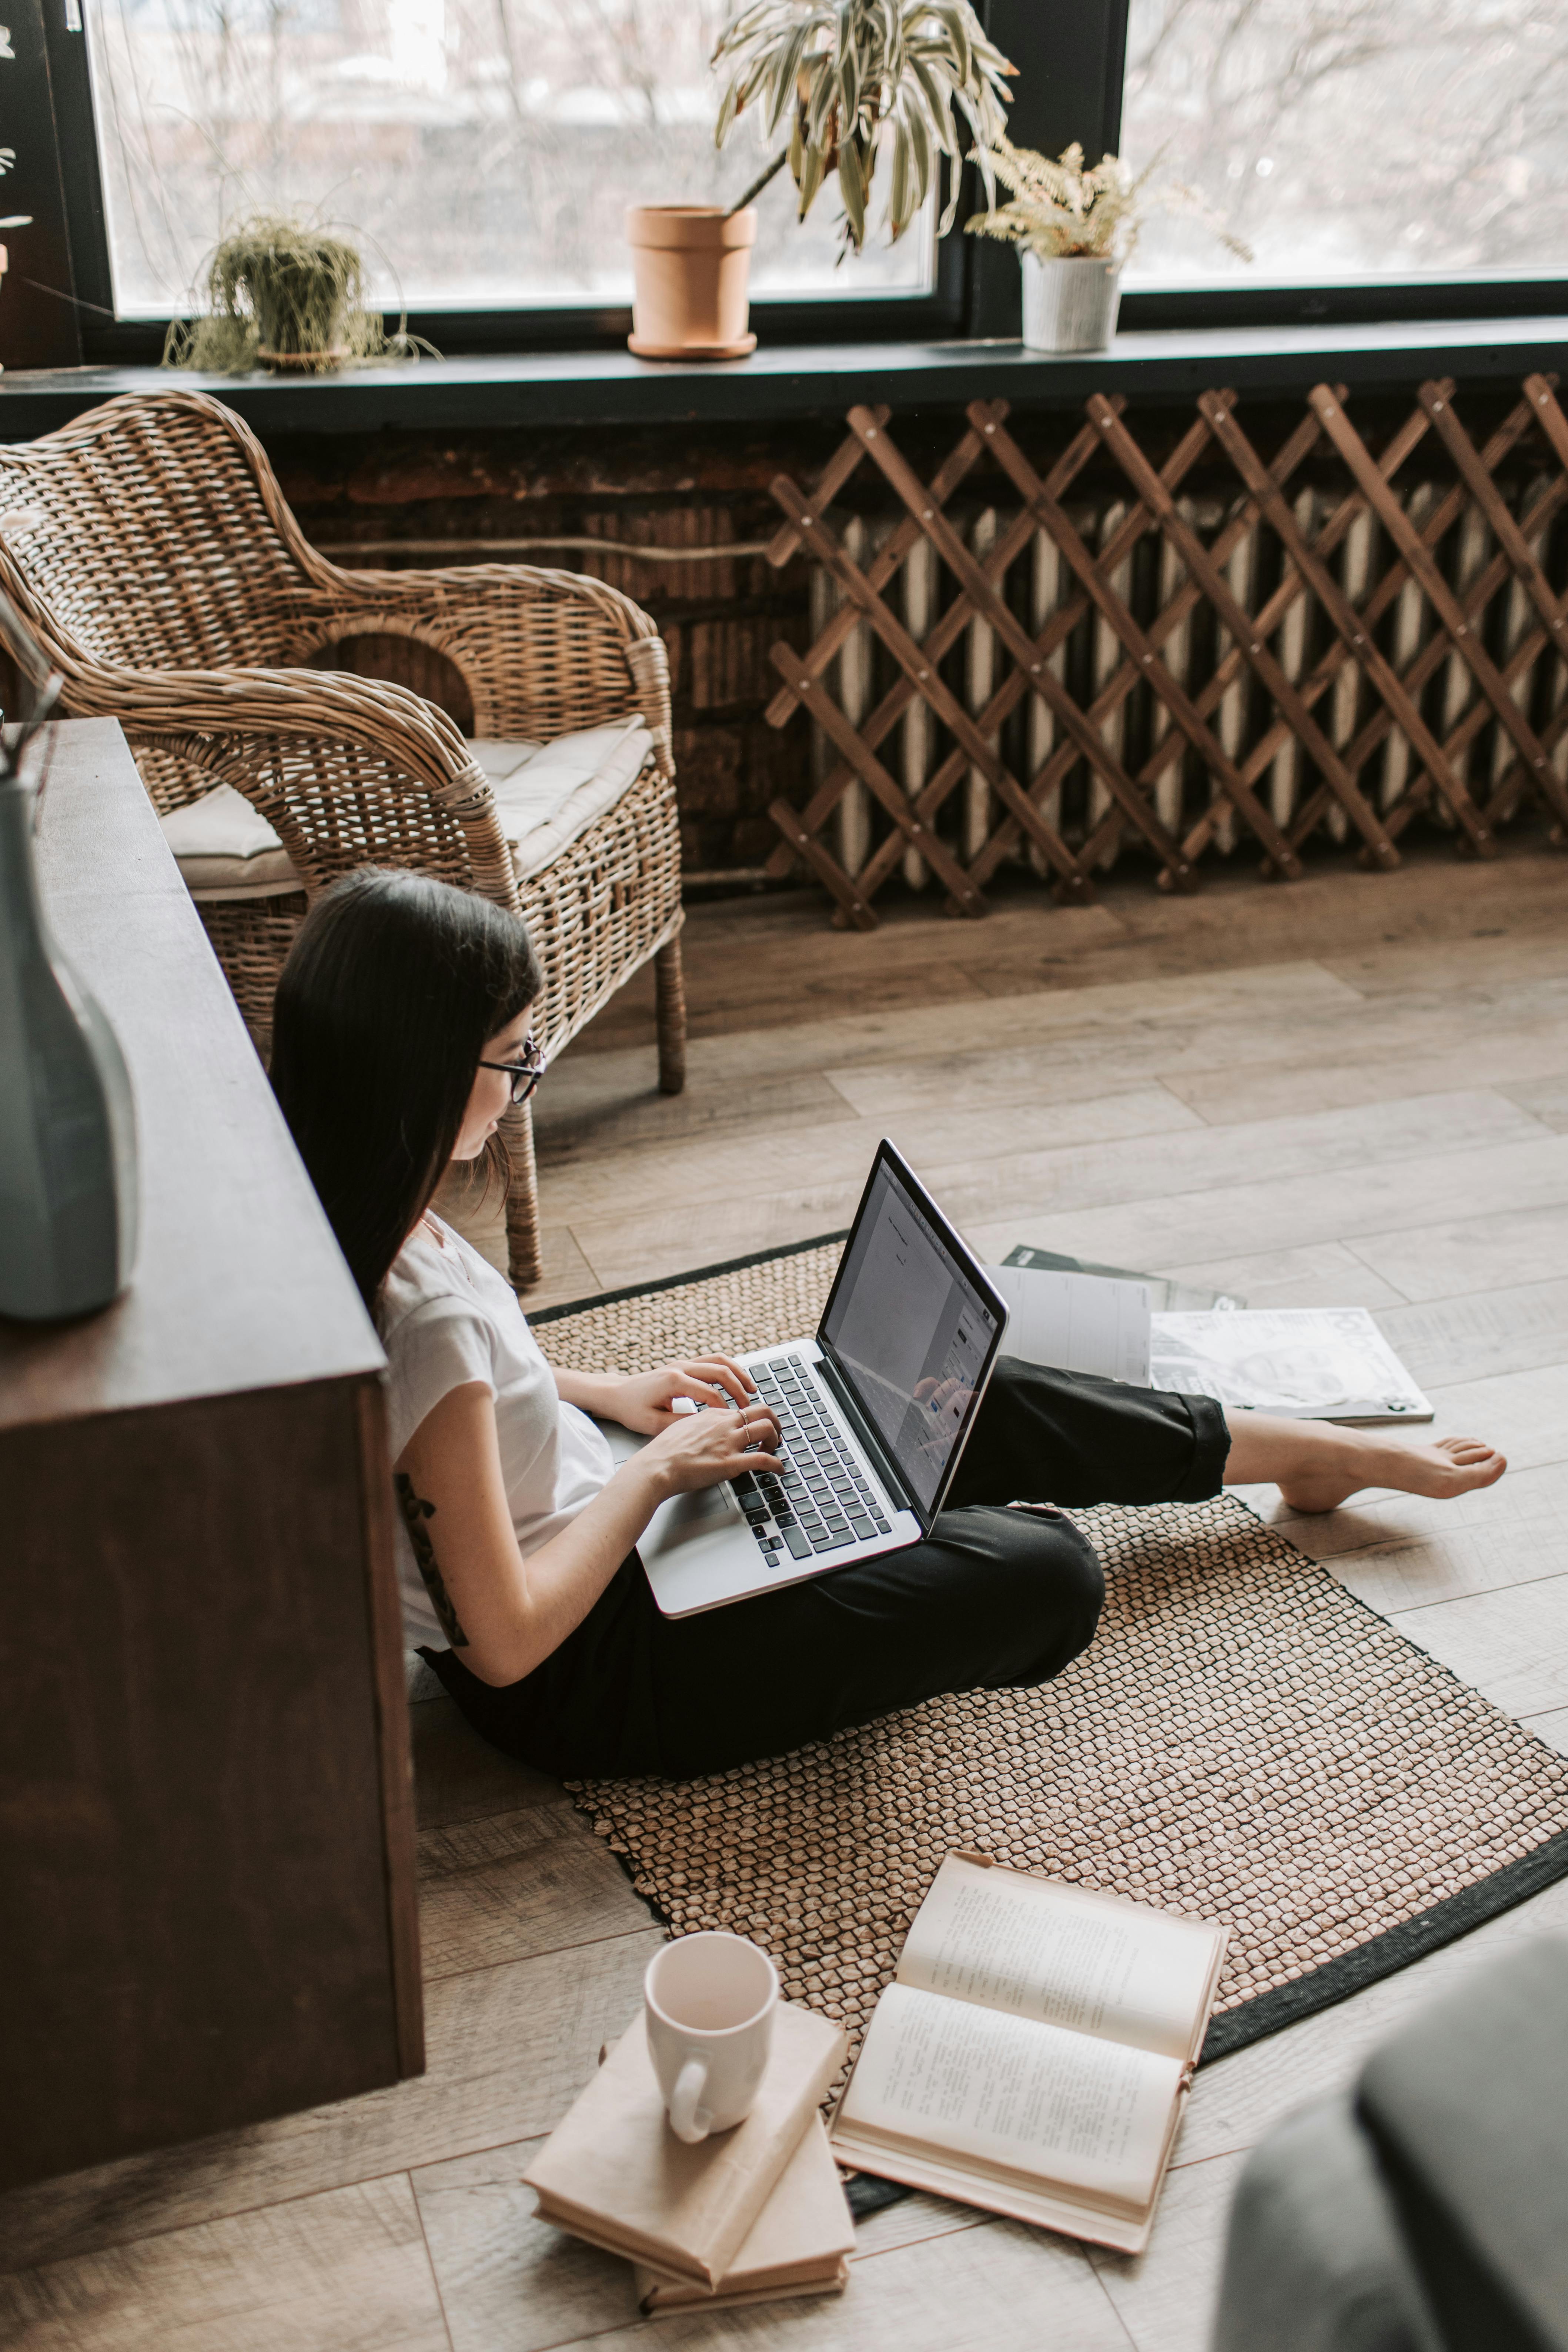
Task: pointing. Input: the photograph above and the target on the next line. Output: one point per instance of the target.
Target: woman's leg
(1317, 1466)
(992, 1598)
(1071, 1437)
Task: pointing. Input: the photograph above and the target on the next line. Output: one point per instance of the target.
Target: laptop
(874, 1413)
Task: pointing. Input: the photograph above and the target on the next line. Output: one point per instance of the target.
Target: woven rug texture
(1243, 1740)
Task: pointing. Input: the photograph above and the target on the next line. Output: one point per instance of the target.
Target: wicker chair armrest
(542, 651)
(307, 713)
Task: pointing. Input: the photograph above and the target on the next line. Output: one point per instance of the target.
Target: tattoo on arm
(415, 1512)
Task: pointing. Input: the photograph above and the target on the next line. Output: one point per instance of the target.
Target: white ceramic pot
(1069, 303)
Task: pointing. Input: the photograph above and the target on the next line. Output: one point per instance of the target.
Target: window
(1383, 158)
(1352, 138)
(484, 150)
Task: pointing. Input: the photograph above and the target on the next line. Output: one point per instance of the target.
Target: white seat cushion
(226, 849)
(546, 795)
(553, 796)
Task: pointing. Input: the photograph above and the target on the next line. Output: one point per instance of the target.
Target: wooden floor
(1352, 1090)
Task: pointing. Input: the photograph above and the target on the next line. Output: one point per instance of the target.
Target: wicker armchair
(150, 547)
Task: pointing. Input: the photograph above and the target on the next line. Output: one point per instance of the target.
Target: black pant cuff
(1211, 1449)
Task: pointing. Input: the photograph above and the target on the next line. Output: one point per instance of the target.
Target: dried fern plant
(1061, 211)
(852, 76)
(289, 294)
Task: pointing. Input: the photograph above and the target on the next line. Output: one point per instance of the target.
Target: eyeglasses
(525, 1075)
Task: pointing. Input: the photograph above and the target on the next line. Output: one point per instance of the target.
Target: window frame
(1070, 86)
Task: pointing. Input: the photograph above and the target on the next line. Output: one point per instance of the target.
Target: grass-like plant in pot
(1075, 230)
(840, 84)
(286, 295)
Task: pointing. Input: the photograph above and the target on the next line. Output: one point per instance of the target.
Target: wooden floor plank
(509, 2048)
(1545, 1099)
(1472, 1336)
(1502, 1247)
(999, 2288)
(1512, 1645)
(1325, 1080)
(1167, 2298)
(1098, 1178)
(1405, 1551)
(1349, 1205)
(1552, 1726)
(515, 1885)
(344, 2272)
(510, 2283)
(459, 1777)
(1106, 1035)
(1234, 1062)
(743, 957)
(605, 1182)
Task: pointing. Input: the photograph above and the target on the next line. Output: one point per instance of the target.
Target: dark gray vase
(67, 1123)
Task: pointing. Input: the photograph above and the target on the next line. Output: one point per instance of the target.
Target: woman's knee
(1039, 1583)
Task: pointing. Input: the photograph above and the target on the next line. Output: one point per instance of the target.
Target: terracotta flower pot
(690, 264)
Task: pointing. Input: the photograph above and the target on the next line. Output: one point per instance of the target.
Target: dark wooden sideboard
(207, 1853)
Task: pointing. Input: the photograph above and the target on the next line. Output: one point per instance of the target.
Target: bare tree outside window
(484, 150)
(1354, 138)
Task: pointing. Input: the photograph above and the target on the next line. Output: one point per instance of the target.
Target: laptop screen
(912, 1326)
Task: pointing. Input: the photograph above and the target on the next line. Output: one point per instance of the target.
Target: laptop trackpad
(685, 1516)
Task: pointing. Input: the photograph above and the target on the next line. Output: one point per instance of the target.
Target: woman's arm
(504, 1614)
(642, 1401)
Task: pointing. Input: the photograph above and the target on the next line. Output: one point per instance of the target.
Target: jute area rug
(1244, 1739)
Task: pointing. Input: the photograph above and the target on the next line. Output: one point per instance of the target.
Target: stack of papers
(1305, 1363)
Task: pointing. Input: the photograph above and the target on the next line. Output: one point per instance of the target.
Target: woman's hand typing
(642, 1400)
(701, 1448)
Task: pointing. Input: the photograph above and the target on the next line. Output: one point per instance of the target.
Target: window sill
(612, 388)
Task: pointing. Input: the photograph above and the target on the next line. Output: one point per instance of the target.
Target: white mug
(710, 2001)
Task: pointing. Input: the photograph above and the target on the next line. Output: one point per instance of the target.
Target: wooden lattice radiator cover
(1500, 628)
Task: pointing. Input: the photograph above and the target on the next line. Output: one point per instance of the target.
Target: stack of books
(746, 2216)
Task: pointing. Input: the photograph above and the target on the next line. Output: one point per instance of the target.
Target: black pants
(992, 1596)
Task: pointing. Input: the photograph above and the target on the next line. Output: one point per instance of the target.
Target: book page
(1092, 1963)
(1089, 2116)
(1076, 1322)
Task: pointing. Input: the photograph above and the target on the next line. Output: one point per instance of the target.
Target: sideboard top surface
(238, 1282)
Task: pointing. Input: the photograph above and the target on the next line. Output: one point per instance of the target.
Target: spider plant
(289, 293)
(845, 79)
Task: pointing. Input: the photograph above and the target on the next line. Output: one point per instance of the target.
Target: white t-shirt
(446, 1317)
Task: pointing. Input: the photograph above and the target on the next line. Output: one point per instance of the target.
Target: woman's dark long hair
(383, 1011)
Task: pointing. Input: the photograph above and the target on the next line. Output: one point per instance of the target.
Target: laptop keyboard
(822, 1501)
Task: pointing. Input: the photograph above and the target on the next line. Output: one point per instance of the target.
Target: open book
(1034, 2051)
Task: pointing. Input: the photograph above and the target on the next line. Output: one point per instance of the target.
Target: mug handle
(688, 2120)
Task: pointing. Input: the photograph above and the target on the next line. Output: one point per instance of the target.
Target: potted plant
(287, 295)
(839, 83)
(1074, 231)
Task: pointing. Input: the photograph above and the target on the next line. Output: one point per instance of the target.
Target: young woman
(400, 1036)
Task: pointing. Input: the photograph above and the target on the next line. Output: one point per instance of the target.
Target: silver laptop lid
(913, 1329)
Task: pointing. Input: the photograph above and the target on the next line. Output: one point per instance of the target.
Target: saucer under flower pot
(304, 363)
(691, 269)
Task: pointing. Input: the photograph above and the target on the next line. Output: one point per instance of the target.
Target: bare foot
(1329, 1472)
